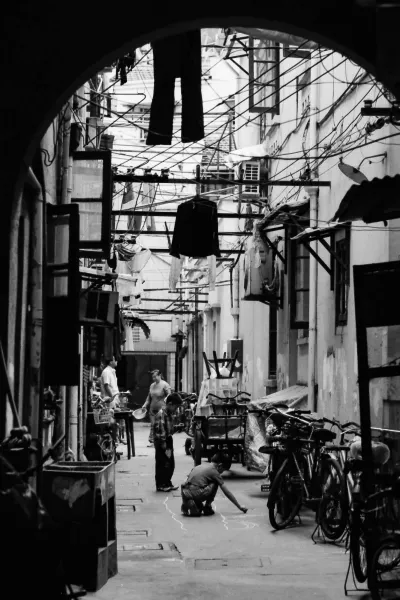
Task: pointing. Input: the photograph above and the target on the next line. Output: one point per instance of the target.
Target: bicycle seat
(323, 435)
(380, 452)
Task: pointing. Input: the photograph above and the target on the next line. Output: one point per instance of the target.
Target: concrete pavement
(162, 554)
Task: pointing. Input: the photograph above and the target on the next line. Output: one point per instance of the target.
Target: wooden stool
(127, 417)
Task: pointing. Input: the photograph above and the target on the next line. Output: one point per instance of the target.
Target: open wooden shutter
(62, 298)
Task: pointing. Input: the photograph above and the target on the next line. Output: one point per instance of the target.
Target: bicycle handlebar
(228, 399)
(350, 424)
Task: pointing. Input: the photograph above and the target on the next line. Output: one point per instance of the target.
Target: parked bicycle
(306, 469)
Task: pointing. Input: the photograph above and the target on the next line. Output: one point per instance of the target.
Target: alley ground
(162, 554)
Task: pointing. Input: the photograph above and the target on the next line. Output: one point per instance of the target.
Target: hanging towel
(212, 274)
(177, 56)
(196, 229)
(176, 267)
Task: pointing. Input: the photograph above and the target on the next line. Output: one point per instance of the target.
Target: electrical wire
(267, 84)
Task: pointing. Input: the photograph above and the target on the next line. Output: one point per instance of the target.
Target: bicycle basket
(103, 415)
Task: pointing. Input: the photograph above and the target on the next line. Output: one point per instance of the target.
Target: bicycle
(384, 569)
(272, 447)
(333, 512)
(304, 470)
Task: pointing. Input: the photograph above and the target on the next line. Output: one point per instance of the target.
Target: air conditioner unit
(251, 172)
(257, 270)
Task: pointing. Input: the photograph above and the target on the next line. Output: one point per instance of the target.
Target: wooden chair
(227, 362)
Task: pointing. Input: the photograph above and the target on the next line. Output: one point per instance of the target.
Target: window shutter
(62, 298)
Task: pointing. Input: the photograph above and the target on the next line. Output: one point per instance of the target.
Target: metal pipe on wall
(36, 302)
(313, 192)
(72, 392)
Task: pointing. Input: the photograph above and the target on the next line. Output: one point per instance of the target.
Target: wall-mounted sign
(92, 189)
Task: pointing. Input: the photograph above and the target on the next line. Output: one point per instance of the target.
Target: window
(300, 286)
(264, 75)
(342, 280)
(140, 119)
(220, 188)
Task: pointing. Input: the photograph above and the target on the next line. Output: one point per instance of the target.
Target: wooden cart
(224, 429)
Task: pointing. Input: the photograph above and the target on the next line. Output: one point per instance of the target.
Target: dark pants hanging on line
(165, 466)
(178, 56)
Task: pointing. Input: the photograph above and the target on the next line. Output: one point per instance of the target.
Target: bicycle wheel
(358, 549)
(384, 573)
(333, 508)
(285, 497)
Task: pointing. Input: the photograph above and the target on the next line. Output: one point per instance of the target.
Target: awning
(281, 214)
(318, 233)
(238, 156)
(371, 201)
(295, 395)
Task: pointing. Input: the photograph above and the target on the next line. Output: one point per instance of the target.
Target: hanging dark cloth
(196, 229)
(177, 56)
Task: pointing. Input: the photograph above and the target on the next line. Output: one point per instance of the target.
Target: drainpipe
(36, 302)
(72, 392)
(235, 301)
(313, 193)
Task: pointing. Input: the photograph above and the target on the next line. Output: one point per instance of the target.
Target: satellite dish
(352, 173)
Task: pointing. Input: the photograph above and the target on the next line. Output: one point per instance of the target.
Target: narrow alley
(228, 555)
(200, 240)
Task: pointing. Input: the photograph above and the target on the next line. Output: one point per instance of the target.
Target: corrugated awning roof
(371, 201)
(281, 214)
(311, 234)
(291, 396)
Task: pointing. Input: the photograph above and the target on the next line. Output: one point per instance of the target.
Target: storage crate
(71, 489)
(102, 415)
(81, 497)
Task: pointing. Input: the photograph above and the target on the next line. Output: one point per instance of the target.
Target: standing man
(163, 443)
(201, 486)
(155, 400)
(109, 387)
(108, 382)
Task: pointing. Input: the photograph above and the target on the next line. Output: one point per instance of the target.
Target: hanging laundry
(212, 273)
(177, 56)
(176, 267)
(196, 229)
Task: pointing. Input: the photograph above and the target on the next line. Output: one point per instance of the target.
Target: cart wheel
(198, 447)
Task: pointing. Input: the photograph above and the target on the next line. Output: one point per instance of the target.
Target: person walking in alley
(163, 443)
(155, 400)
(201, 486)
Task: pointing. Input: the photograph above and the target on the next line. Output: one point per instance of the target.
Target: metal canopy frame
(375, 306)
(320, 235)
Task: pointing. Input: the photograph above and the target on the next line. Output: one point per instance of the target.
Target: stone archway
(49, 50)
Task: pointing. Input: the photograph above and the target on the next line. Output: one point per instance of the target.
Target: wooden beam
(219, 181)
(138, 232)
(173, 213)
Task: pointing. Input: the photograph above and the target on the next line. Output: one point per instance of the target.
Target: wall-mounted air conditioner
(251, 172)
(258, 268)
